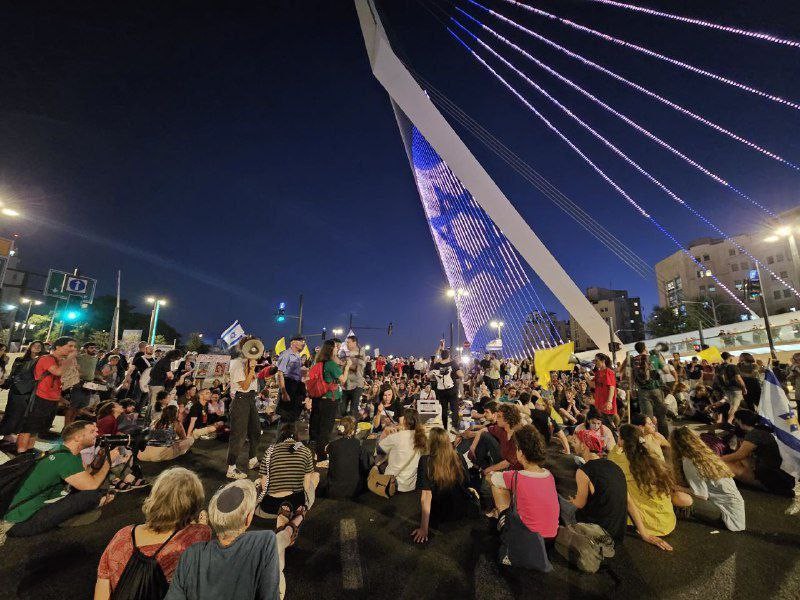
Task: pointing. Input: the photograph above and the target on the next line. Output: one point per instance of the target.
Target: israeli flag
(232, 334)
(776, 410)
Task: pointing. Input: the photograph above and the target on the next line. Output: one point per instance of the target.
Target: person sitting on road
(534, 486)
(507, 421)
(32, 510)
(287, 473)
(655, 442)
(602, 494)
(403, 446)
(442, 479)
(344, 462)
(706, 476)
(387, 411)
(168, 439)
(484, 450)
(238, 563)
(174, 520)
(594, 422)
(757, 461)
(651, 488)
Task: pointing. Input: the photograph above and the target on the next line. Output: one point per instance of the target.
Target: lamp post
(157, 304)
(455, 294)
(337, 331)
(31, 303)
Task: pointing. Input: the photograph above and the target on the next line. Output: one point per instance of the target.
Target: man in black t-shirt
(197, 418)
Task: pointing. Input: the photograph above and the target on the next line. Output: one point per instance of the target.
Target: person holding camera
(40, 504)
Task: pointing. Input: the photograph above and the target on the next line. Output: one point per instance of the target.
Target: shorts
(39, 418)
(271, 504)
(79, 398)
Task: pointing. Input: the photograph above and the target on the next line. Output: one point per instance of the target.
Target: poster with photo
(209, 367)
(129, 342)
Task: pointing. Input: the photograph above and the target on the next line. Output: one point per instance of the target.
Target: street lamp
(31, 304)
(157, 304)
(499, 326)
(455, 294)
(337, 331)
(367, 347)
(9, 212)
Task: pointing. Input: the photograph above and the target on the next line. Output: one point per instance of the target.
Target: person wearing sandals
(238, 563)
(287, 473)
(174, 520)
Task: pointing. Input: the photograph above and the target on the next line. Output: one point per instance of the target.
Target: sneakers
(234, 473)
(252, 463)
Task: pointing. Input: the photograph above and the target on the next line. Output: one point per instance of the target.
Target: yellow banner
(280, 346)
(711, 354)
(552, 359)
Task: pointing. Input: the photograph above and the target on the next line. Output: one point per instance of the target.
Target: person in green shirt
(40, 504)
(323, 410)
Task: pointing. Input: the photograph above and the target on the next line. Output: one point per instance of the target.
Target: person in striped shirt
(287, 473)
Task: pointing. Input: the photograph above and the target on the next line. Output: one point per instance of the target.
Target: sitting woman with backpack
(173, 521)
(442, 480)
(652, 495)
(168, 439)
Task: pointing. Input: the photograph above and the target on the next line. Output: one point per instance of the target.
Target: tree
(195, 344)
(701, 310)
(666, 321)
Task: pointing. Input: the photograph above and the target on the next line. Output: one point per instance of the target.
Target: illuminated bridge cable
(767, 37)
(627, 120)
(597, 169)
(626, 158)
(616, 246)
(640, 88)
(657, 55)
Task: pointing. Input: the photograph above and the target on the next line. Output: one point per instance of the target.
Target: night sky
(230, 156)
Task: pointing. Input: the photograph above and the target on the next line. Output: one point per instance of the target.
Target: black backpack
(13, 474)
(143, 578)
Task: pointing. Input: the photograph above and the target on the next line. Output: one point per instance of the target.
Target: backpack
(643, 372)
(13, 474)
(143, 578)
(444, 377)
(316, 386)
(584, 545)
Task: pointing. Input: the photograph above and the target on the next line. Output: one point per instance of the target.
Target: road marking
(352, 577)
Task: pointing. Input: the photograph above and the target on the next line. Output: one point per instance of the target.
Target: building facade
(625, 312)
(679, 279)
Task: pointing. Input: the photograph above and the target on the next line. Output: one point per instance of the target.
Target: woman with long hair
(651, 487)
(403, 448)
(323, 409)
(344, 462)
(442, 477)
(19, 383)
(168, 439)
(703, 474)
(386, 411)
(174, 520)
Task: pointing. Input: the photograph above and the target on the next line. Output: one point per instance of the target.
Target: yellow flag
(305, 352)
(280, 346)
(552, 359)
(710, 354)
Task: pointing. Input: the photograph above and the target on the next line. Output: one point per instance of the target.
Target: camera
(136, 441)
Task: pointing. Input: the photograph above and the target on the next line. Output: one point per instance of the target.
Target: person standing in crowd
(32, 510)
(351, 396)
(19, 383)
(732, 384)
(174, 520)
(748, 369)
(694, 373)
(445, 373)
(142, 361)
(244, 422)
(420, 366)
(161, 376)
(602, 494)
(605, 389)
(706, 476)
(290, 380)
(79, 397)
(647, 369)
(323, 410)
(44, 403)
(493, 373)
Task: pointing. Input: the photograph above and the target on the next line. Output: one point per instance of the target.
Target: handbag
(384, 485)
(521, 547)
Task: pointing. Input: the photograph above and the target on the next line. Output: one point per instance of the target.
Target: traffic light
(72, 315)
(389, 330)
(280, 315)
(614, 346)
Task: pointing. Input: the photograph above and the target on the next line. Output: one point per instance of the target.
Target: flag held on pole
(232, 334)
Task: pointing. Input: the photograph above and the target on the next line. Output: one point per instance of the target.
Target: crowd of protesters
(649, 438)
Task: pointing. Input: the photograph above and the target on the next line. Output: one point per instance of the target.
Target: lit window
(708, 273)
(731, 252)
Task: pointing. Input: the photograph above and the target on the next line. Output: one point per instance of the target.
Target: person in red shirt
(380, 365)
(605, 386)
(508, 419)
(47, 373)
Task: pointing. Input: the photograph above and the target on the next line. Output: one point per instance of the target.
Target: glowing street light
(157, 304)
(455, 294)
(9, 212)
(499, 326)
(337, 331)
(31, 304)
(367, 347)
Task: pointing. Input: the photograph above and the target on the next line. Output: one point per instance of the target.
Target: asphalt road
(362, 549)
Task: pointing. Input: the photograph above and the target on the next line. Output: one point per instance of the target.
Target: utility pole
(700, 331)
(451, 336)
(611, 345)
(767, 327)
(300, 317)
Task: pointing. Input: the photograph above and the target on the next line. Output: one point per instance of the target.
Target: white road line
(352, 577)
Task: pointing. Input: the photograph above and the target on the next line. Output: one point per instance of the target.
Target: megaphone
(252, 349)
